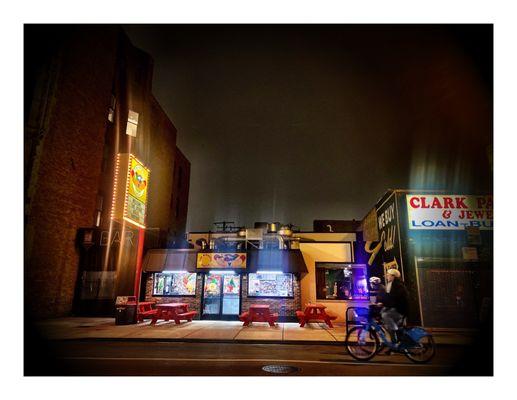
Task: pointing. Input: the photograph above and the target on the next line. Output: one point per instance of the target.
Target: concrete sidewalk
(105, 328)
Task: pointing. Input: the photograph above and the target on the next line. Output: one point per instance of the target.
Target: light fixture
(270, 272)
(216, 272)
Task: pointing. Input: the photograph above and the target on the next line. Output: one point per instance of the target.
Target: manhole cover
(280, 369)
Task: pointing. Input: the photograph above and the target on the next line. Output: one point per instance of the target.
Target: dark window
(341, 282)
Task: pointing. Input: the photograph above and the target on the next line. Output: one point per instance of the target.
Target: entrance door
(221, 296)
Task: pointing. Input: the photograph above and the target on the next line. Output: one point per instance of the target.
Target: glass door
(212, 296)
(231, 295)
(221, 296)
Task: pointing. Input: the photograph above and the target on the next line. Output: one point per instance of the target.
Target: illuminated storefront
(220, 285)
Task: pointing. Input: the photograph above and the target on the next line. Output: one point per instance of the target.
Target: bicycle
(368, 337)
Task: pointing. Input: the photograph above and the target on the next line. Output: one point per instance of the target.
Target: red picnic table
(175, 311)
(314, 312)
(145, 310)
(258, 313)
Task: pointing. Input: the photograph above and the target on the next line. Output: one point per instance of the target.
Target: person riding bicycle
(394, 303)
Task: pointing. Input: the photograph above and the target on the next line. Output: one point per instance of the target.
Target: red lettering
(413, 202)
(424, 204)
(462, 215)
(481, 202)
(470, 215)
(479, 214)
(490, 215)
(460, 202)
(447, 202)
(436, 203)
(490, 202)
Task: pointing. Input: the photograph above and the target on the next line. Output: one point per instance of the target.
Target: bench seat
(187, 315)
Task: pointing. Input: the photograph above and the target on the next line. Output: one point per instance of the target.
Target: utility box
(125, 310)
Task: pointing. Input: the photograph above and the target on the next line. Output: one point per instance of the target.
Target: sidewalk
(105, 328)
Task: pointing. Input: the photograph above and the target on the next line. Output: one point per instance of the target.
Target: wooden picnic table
(315, 312)
(258, 313)
(174, 311)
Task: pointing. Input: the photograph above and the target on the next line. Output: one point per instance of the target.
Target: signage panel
(386, 251)
(449, 212)
(130, 191)
(221, 260)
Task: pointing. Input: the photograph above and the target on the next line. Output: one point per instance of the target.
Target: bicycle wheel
(362, 344)
(422, 351)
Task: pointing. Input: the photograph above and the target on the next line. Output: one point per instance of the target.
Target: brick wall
(179, 203)
(64, 178)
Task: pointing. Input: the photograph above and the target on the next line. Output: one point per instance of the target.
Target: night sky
(293, 123)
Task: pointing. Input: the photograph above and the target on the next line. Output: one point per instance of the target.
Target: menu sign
(449, 212)
(130, 190)
(221, 260)
(138, 182)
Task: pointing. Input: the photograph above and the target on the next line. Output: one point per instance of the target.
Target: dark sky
(293, 123)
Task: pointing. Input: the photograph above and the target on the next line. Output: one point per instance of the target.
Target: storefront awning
(157, 260)
(276, 260)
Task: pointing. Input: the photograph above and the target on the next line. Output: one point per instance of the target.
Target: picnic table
(174, 311)
(145, 309)
(315, 312)
(258, 313)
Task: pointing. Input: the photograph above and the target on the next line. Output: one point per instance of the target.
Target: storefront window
(341, 282)
(174, 284)
(270, 285)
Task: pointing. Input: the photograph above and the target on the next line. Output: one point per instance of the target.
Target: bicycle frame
(398, 347)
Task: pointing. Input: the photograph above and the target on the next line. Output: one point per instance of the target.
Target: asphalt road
(123, 358)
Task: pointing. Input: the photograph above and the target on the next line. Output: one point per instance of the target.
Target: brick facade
(285, 307)
(65, 165)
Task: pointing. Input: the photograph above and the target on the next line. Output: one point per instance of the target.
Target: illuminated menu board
(270, 285)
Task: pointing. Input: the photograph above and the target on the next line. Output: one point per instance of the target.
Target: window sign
(270, 285)
(174, 284)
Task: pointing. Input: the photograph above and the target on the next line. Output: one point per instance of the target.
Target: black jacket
(397, 297)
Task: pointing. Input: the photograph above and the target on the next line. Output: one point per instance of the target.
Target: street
(129, 358)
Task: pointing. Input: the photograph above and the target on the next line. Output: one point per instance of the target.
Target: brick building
(88, 98)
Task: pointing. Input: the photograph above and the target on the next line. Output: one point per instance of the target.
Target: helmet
(374, 280)
(394, 272)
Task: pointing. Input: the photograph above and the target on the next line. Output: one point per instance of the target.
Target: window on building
(338, 281)
(174, 284)
(111, 109)
(270, 284)
(132, 123)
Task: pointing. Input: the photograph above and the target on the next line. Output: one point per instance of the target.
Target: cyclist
(394, 304)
